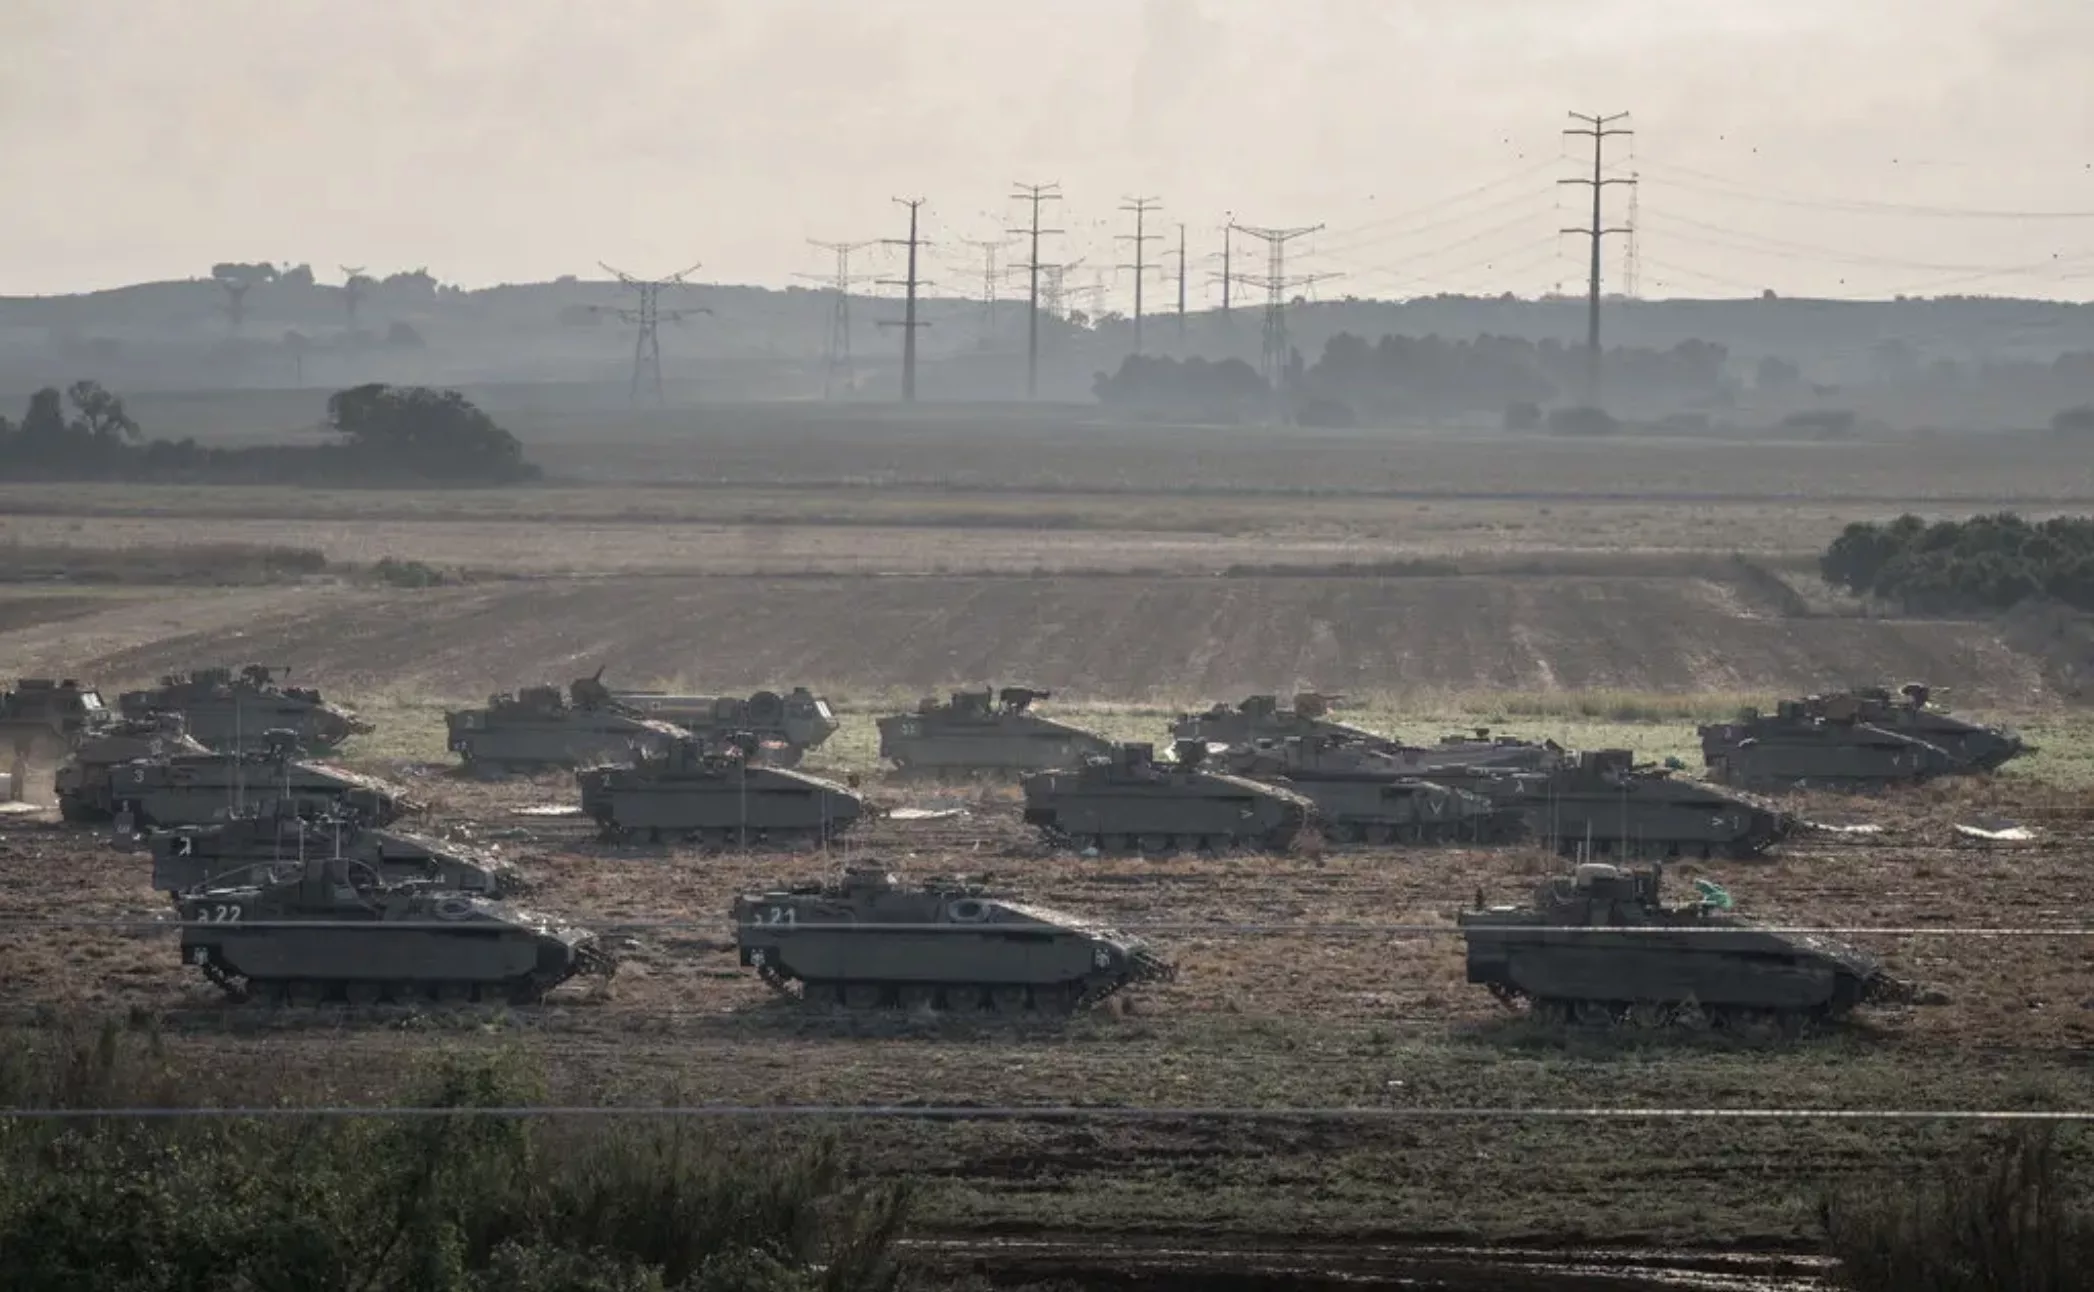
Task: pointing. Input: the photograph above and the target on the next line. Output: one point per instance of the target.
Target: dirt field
(1255, 1019)
(1585, 592)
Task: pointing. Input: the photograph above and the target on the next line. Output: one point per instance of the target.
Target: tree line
(385, 435)
(1986, 563)
(1410, 378)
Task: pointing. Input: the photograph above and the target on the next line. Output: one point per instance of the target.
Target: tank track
(526, 989)
(1128, 845)
(1653, 1016)
(723, 838)
(958, 1000)
(1383, 834)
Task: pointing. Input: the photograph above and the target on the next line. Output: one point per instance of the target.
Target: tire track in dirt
(1108, 638)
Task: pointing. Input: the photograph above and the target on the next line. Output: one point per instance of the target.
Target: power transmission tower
(353, 282)
(990, 251)
(837, 361)
(1599, 130)
(908, 322)
(1036, 194)
(235, 300)
(1227, 277)
(1053, 294)
(1274, 359)
(1181, 286)
(646, 315)
(1140, 207)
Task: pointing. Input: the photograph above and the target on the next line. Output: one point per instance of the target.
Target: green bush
(457, 1203)
(396, 573)
(1985, 563)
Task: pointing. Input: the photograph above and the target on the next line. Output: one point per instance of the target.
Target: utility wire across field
(1055, 1113)
(1244, 929)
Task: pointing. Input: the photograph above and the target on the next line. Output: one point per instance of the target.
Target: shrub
(1985, 563)
(458, 1203)
(2001, 1220)
(1582, 420)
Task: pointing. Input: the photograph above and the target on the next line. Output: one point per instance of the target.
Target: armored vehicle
(333, 932)
(537, 728)
(1127, 800)
(1794, 748)
(1260, 717)
(1605, 804)
(984, 732)
(867, 942)
(1480, 748)
(1645, 958)
(718, 795)
(1362, 795)
(787, 726)
(200, 788)
(43, 718)
(1909, 713)
(277, 839)
(232, 713)
(82, 782)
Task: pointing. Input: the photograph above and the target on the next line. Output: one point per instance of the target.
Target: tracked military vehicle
(1127, 801)
(83, 783)
(538, 728)
(1646, 959)
(333, 933)
(867, 942)
(984, 732)
(234, 714)
(1363, 795)
(1603, 804)
(276, 840)
(1479, 748)
(41, 718)
(199, 788)
(1260, 717)
(1797, 748)
(718, 795)
(786, 726)
(1910, 713)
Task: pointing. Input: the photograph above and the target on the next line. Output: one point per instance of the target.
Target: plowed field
(1097, 637)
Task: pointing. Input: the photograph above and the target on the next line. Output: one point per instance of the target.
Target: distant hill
(760, 343)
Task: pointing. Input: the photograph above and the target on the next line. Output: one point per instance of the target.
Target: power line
(1139, 207)
(1035, 194)
(1632, 260)
(837, 361)
(1599, 129)
(1274, 928)
(1227, 255)
(1852, 206)
(1051, 1113)
(647, 315)
(908, 322)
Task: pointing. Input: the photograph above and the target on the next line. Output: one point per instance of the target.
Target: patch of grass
(2006, 1215)
(206, 564)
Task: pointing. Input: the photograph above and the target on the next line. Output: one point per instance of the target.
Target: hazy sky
(1837, 147)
